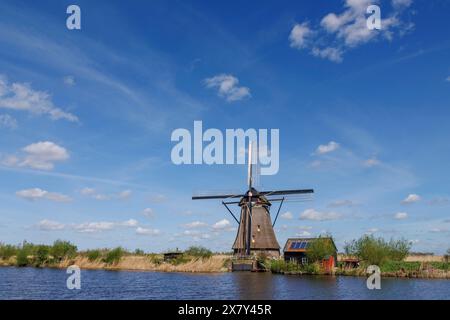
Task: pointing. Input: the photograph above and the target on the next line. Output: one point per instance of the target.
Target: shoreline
(215, 264)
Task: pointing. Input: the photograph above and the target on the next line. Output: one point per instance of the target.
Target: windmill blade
(218, 196)
(286, 192)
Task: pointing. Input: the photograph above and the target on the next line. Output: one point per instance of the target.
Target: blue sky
(86, 118)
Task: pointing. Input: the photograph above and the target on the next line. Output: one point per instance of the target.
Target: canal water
(32, 283)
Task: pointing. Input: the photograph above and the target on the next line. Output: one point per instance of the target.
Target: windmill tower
(255, 233)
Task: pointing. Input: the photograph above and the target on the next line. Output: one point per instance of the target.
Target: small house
(295, 250)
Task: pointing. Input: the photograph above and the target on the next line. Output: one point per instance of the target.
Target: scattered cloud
(95, 227)
(438, 230)
(299, 35)
(8, 122)
(312, 214)
(222, 225)
(340, 32)
(228, 87)
(195, 224)
(439, 201)
(126, 194)
(287, 215)
(401, 215)
(147, 231)
(148, 212)
(412, 198)
(69, 81)
(49, 225)
(327, 148)
(92, 193)
(20, 96)
(158, 198)
(372, 162)
(341, 203)
(37, 193)
(372, 231)
(40, 155)
(303, 234)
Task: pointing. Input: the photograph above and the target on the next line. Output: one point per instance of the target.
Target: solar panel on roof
(293, 245)
(303, 245)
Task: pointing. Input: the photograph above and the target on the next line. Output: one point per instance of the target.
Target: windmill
(255, 233)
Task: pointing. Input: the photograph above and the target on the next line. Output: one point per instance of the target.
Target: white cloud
(48, 225)
(401, 215)
(195, 224)
(69, 81)
(326, 148)
(92, 193)
(401, 3)
(158, 198)
(330, 53)
(312, 214)
(20, 96)
(6, 121)
(339, 32)
(37, 193)
(148, 212)
(372, 162)
(228, 88)
(341, 203)
(126, 194)
(222, 224)
(303, 234)
(372, 231)
(40, 155)
(448, 79)
(93, 227)
(129, 223)
(438, 230)
(147, 232)
(287, 215)
(299, 35)
(412, 198)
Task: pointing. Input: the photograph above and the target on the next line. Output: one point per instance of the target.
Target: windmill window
(253, 239)
(259, 228)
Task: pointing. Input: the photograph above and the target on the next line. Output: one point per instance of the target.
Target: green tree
(22, 258)
(63, 249)
(41, 255)
(320, 248)
(376, 250)
(93, 255)
(199, 252)
(7, 251)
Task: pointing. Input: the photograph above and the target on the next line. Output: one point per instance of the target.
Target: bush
(7, 251)
(63, 249)
(22, 258)
(278, 266)
(41, 255)
(114, 256)
(395, 266)
(139, 252)
(320, 248)
(198, 252)
(93, 255)
(376, 250)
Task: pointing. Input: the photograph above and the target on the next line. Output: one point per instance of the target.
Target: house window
(304, 260)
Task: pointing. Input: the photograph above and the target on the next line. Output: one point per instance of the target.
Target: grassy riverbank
(63, 254)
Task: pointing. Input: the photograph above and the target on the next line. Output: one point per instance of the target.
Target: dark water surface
(31, 283)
